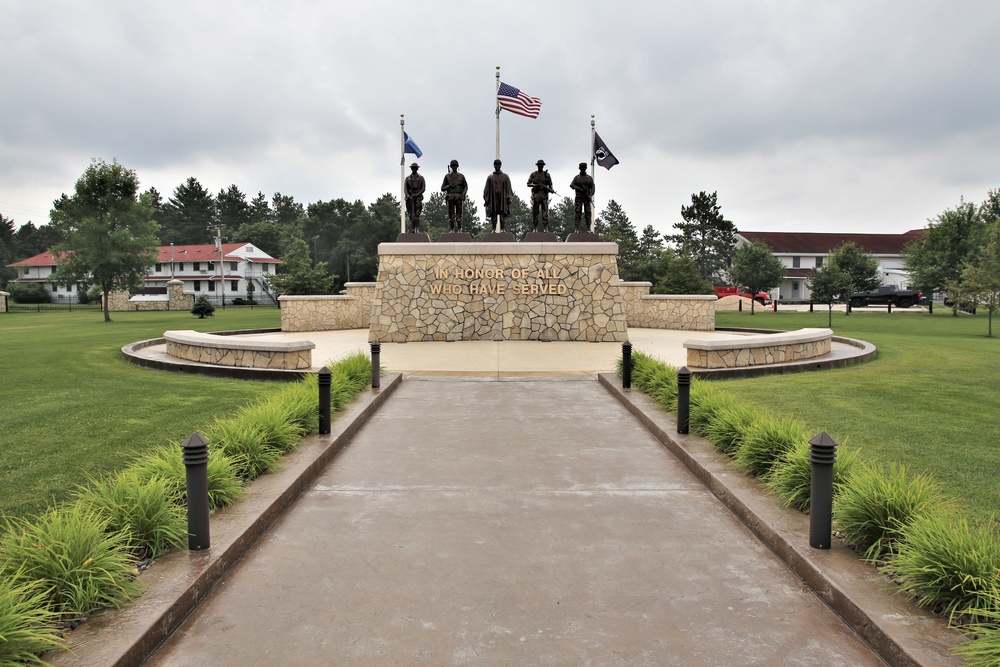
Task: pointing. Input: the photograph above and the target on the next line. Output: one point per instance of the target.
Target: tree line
(336, 241)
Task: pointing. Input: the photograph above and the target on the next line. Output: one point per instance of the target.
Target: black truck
(884, 295)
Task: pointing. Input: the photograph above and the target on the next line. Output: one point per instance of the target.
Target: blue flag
(410, 146)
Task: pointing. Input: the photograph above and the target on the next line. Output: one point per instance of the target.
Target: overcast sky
(853, 116)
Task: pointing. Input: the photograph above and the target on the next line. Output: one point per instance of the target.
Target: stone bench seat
(243, 352)
(757, 349)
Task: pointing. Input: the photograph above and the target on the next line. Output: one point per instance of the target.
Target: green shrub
(791, 477)
(27, 627)
(875, 506)
(245, 446)
(28, 293)
(300, 402)
(983, 647)
(729, 425)
(224, 484)
(144, 508)
(70, 553)
(766, 441)
(706, 402)
(944, 562)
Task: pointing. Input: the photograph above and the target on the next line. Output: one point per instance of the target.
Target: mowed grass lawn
(930, 400)
(70, 406)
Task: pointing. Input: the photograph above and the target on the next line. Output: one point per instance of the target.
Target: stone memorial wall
(498, 291)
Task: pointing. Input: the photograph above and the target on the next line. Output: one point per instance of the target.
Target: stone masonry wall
(755, 356)
(691, 312)
(293, 360)
(176, 299)
(498, 291)
(330, 312)
(3, 302)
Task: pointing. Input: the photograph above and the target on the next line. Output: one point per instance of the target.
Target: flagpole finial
(401, 121)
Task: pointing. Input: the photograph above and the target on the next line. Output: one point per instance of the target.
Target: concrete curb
(181, 580)
(900, 632)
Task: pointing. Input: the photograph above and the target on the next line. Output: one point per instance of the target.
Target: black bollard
(376, 364)
(810, 306)
(195, 456)
(890, 307)
(626, 365)
(930, 307)
(325, 380)
(683, 399)
(822, 455)
(741, 304)
(774, 305)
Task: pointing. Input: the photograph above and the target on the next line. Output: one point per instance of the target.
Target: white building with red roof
(803, 252)
(204, 269)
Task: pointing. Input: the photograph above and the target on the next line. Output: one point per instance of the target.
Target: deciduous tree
(981, 278)
(950, 241)
(109, 230)
(298, 275)
(756, 268)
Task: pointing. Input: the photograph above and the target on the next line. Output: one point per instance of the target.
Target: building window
(197, 286)
(69, 288)
(196, 266)
(211, 266)
(211, 285)
(158, 268)
(234, 285)
(233, 266)
(819, 261)
(796, 262)
(55, 288)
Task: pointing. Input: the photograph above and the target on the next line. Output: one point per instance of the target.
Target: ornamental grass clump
(876, 505)
(246, 447)
(729, 426)
(224, 484)
(791, 476)
(272, 421)
(28, 627)
(983, 647)
(948, 564)
(355, 370)
(143, 508)
(300, 403)
(706, 402)
(766, 441)
(69, 552)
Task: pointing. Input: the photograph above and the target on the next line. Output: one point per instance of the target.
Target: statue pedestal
(413, 237)
(499, 237)
(498, 291)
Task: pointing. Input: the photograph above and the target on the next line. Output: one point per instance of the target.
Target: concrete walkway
(524, 522)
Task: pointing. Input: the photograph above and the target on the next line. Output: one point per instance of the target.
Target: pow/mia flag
(605, 157)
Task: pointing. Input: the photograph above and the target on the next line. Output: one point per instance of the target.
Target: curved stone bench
(217, 350)
(758, 349)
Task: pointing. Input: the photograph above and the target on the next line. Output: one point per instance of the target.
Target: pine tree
(706, 236)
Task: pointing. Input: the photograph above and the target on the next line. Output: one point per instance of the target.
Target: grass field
(70, 406)
(929, 400)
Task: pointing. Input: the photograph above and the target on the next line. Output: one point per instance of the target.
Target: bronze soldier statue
(455, 189)
(583, 185)
(414, 189)
(496, 195)
(541, 185)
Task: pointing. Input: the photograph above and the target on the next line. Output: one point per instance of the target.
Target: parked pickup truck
(884, 295)
(763, 298)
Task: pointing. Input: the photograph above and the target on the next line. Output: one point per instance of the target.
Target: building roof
(181, 253)
(821, 243)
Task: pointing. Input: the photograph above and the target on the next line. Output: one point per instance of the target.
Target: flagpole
(402, 179)
(498, 111)
(593, 171)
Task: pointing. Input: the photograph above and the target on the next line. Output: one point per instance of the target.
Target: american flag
(514, 101)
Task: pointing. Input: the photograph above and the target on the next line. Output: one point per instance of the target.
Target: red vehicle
(763, 298)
